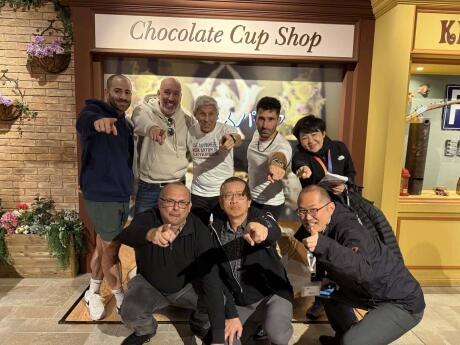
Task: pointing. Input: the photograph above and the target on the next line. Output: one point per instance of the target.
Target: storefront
(415, 64)
(316, 58)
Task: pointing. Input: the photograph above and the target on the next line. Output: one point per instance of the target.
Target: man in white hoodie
(164, 126)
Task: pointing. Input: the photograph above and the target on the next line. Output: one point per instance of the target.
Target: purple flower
(39, 48)
(6, 101)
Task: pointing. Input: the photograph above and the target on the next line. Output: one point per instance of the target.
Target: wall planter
(56, 63)
(30, 257)
(9, 112)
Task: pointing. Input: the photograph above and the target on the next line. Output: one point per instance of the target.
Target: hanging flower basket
(55, 63)
(9, 112)
(52, 55)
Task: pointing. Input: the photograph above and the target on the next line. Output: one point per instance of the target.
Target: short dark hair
(115, 76)
(269, 103)
(237, 179)
(323, 193)
(308, 124)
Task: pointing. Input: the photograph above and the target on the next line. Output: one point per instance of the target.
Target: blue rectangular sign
(451, 114)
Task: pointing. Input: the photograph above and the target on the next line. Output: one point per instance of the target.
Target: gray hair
(203, 101)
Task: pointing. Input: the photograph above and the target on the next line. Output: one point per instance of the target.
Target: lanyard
(329, 162)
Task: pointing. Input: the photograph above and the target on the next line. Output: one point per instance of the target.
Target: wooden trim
(438, 9)
(295, 10)
(398, 224)
(221, 56)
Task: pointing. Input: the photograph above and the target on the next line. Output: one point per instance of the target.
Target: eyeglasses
(302, 212)
(172, 203)
(170, 123)
(237, 196)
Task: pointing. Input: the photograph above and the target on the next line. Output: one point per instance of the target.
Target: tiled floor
(31, 308)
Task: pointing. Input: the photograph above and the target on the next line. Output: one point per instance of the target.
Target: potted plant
(52, 55)
(40, 241)
(10, 109)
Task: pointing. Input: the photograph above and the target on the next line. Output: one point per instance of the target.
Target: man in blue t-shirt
(106, 181)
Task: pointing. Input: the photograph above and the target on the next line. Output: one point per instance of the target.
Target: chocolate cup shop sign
(223, 36)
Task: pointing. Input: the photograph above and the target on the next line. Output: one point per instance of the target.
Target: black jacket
(106, 160)
(262, 273)
(185, 261)
(342, 163)
(374, 221)
(366, 270)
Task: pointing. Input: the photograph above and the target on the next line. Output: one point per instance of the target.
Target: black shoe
(328, 340)
(134, 339)
(260, 335)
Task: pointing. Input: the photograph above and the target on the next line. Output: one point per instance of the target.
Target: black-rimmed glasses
(172, 203)
(170, 123)
(302, 212)
(237, 196)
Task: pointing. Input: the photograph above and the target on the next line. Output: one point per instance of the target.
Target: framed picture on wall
(451, 113)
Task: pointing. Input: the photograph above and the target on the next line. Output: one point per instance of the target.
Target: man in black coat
(368, 274)
(257, 290)
(171, 245)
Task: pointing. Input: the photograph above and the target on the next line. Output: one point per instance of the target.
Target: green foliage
(64, 230)
(4, 256)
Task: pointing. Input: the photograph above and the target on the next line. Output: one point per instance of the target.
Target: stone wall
(43, 161)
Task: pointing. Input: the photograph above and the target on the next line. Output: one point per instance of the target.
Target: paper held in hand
(332, 180)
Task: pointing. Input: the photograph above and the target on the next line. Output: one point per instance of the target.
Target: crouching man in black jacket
(170, 243)
(256, 287)
(368, 274)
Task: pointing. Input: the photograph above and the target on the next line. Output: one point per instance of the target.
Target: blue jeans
(147, 196)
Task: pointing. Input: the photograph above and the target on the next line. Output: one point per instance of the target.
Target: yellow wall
(387, 107)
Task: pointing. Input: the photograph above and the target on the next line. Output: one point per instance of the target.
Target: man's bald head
(169, 95)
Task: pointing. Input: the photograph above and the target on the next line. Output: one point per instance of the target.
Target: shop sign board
(223, 36)
(451, 114)
(437, 32)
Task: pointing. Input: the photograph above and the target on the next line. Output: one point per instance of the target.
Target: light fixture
(419, 68)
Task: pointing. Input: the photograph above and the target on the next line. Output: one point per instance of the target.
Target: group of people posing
(212, 249)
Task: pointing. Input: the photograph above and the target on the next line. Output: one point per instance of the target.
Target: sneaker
(134, 339)
(95, 306)
(315, 311)
(328, 340)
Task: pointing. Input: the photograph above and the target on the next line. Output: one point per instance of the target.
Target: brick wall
(44, 160)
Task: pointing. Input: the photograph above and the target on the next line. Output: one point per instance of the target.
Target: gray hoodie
(161, 163)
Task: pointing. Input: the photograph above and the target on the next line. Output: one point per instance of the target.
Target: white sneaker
(95, 306)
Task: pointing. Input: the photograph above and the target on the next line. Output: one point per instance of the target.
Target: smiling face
(234, 200)
(207, 118)
(172, 197)
(315, 210)
(266, 122)
(312, 142)
(118, 93)
(169, 95)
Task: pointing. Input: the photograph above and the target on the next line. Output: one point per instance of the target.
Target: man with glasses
(256, 286)
(162, 126)
(368, 274)
(170, 246)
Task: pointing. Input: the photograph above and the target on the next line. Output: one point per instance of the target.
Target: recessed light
(419, 68)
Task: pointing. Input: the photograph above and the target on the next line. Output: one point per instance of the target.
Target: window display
(237, 86)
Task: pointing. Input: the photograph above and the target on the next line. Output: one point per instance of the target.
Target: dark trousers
(274, 313)
(142, 300)
(274, 210)
(203, 207)
(381, 325)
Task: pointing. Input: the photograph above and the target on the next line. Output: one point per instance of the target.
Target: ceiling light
(419, 68)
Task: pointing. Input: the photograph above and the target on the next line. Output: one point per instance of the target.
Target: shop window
(442, 142)
(302, 89)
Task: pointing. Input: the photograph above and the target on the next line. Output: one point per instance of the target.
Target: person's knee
(281, 336)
